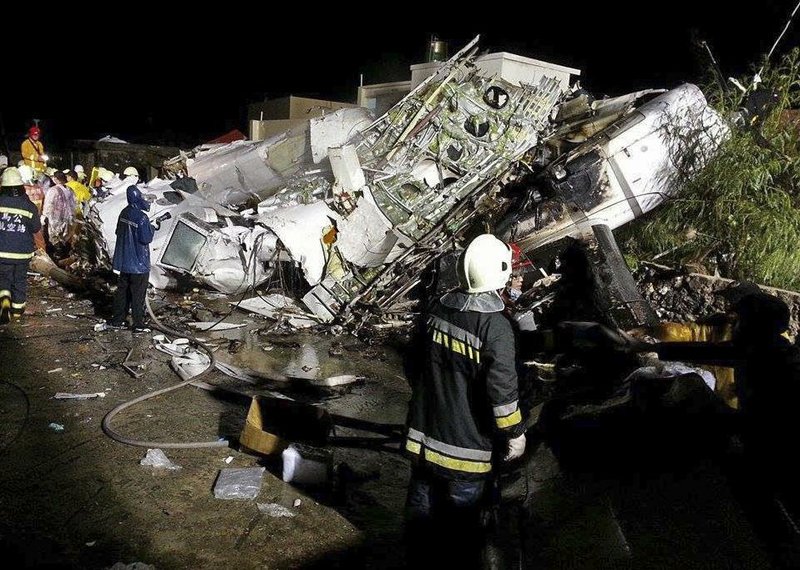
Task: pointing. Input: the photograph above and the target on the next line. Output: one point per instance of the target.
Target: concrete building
(274, 116)
(513, 68)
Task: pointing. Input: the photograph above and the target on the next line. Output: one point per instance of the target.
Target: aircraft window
(496, 97)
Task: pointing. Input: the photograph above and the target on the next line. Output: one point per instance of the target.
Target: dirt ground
(77, 499)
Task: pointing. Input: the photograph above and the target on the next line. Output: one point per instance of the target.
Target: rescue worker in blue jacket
(464, 413)
(19, 221)
(132, 260)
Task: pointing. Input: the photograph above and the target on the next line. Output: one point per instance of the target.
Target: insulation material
(300, 229)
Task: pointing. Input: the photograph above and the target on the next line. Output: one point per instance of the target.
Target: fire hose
(391, 433)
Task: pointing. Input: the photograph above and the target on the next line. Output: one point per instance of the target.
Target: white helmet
(11, 177)
(78, 169)
(104, 174)
(485, 265)
(130, 171)
(26, 172)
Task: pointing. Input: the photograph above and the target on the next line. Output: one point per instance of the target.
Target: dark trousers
(131, 289)
(444, 521)
(14, 284)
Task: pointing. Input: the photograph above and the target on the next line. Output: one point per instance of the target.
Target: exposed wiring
(780, 37)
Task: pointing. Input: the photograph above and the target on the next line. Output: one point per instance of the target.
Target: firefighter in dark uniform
(19, 221)
(464, 412)
(132, 260)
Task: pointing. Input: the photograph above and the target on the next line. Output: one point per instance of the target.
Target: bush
(739, 214)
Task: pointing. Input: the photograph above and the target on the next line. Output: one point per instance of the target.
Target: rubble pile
(681, 296)
(341, 216)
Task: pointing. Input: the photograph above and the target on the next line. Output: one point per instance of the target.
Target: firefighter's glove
(516, 447)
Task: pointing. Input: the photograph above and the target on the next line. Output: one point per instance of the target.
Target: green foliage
(741, 213)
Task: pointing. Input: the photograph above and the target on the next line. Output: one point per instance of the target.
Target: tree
(740, 214)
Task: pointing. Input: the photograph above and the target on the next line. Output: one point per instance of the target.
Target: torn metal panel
(466, 132)
(235, 173)
(346, 170)
(582, 117)
(301, 229)
(233, 259)
(624, 171)
(239, 171)
(366, 238)
(228, 258)
(278, 307)
(101, 221)
(428, 162)
(327, 299)
(335, 129)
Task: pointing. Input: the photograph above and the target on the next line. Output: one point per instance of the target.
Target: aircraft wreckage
(362, 207)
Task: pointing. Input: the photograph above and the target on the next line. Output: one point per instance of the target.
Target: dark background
(153, 79)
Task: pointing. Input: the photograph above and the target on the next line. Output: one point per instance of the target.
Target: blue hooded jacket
(134, 234)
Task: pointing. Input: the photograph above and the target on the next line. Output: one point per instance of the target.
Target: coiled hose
(116, 436)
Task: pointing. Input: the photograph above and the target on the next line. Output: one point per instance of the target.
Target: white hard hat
(11, 177)
(26, 172)
(104, 174)
(485, 265)
(131, 171)
(78, 169)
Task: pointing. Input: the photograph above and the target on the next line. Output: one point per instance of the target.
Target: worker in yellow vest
(32, 150)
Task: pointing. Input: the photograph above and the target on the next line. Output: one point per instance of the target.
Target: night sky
(172, 82)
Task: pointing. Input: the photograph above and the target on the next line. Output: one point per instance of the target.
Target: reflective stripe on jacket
(464, 389)
(19, 221)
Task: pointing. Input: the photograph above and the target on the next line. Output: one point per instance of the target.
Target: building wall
(511, 67)
(292, 107)
(271, 109)
(379, 98)
(261, 130)
(307, 108)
